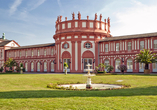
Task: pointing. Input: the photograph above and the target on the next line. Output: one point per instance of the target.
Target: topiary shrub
(122, 68)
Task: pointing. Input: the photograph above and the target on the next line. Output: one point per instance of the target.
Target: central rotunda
(77, 42)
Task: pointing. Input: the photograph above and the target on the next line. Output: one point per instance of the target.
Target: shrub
(109, 68)
(1, 69)
(23, 69)
(122, 68)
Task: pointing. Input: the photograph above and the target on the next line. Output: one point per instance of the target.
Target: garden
(29, 91)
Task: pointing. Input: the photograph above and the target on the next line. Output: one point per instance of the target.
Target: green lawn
(28, 91)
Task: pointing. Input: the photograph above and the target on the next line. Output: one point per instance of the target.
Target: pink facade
(81, 41)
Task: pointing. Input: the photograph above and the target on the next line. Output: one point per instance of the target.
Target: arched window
(45, 66)
(129, 65)
(32, 66)
(38, 66)
(117, 63)
(26, 67)
(52, 66)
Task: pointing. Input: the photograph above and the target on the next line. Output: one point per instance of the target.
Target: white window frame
(106, 47)
(129, 46)
(155, 44)
(117, 47)
(76, 24)
(91, 24)
(63, 26)
(84, 24)
(69, 25)
(38, 53)
(141, 45)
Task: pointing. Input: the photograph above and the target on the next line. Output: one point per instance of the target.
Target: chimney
(3, 36)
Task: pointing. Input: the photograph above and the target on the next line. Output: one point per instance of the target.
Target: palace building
(79, 42)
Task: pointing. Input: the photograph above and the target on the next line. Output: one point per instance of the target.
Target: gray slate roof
(3, 43)
(33, 46)
(129, 37)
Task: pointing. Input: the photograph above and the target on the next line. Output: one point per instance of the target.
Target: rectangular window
(155, 44)
(141, 45)
(38, 53)
(129, 46)
(117, 46)
(20, 53)
(52, 52)
(45, 52)
(76, 24)
(32, 53)
(98, 25)
(84, 24)
(91, 24)
(63, 26)
(106, 47)
(103, 27)
(69, 25)
(26, 53)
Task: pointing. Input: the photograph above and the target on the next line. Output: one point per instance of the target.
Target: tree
(109, 68)
(10, 63)
(146, 56)
(101, 66)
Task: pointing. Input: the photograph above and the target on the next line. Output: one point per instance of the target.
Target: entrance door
(141, 67)
(154, 67)
(86, 61)
(68, 62)
(117, 63)
(129, 65)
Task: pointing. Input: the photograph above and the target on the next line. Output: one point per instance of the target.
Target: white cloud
(40, 2)
(135, 20)
(14, 6)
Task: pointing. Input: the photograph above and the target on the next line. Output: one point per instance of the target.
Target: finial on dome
(79, 16)
(73, 16)
(60, 18)
(87, 17)
(105, 20)
(100, 17)
(57, 18)
(108, 21)
(95, 16)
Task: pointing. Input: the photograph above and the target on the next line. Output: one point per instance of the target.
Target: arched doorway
(32, 66)
(117, 63)
(52, 67)
(38, 66)
(106, 63)
(66, 58)
(45, 66)
(141, 67)
(87, 57)
(129, 65)
(26, 67)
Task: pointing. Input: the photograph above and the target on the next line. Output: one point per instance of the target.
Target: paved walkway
(84, 73)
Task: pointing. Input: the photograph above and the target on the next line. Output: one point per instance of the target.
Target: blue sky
(31, 22)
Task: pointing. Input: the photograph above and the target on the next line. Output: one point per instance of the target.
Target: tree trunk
(146, 66)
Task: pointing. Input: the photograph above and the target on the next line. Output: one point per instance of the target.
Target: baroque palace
(79, 42)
